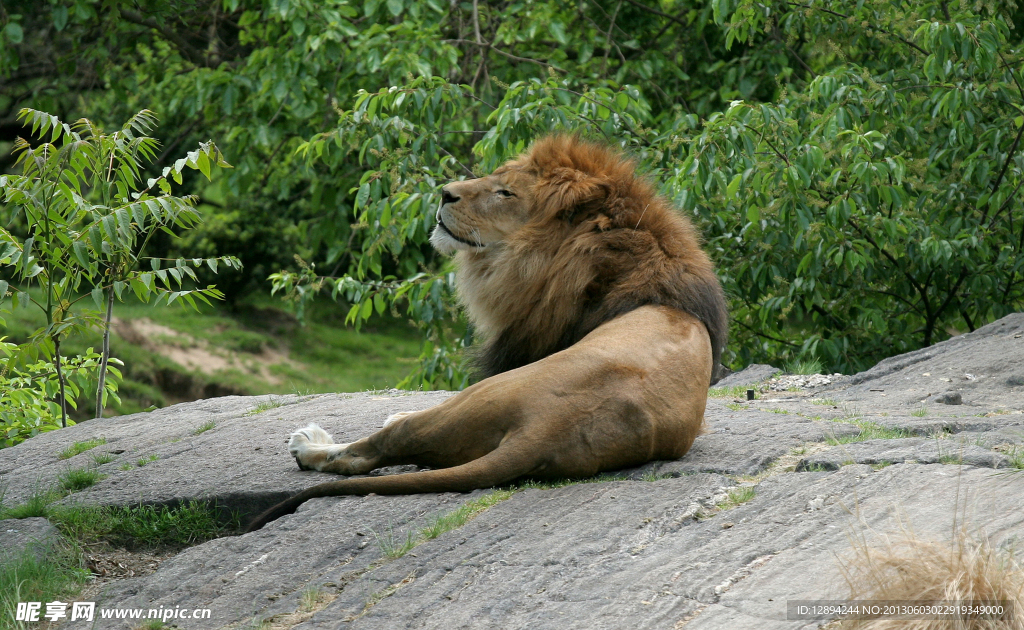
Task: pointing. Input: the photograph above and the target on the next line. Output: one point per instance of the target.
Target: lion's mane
(600, 242)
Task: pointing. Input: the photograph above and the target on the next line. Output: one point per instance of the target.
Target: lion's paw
(313, 434)
(312, 447)
(395, 417)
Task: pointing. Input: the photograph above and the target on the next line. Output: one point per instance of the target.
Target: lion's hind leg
(395, 417)
(313, 448)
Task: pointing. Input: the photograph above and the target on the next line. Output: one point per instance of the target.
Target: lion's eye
(505, 193)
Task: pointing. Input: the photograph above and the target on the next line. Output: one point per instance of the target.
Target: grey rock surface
(658, 546)
(983, 366)
(750, 375)
(34, 535)
(920, 450)
(242, 462)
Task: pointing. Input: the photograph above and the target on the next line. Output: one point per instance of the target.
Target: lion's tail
(499, 466)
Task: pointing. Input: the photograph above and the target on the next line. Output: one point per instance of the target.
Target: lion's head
(562, 239)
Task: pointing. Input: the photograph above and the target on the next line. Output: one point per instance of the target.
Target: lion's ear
(573, 192)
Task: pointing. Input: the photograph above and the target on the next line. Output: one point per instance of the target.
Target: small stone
(949, 398)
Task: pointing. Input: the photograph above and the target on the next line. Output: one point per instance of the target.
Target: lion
(603, 323)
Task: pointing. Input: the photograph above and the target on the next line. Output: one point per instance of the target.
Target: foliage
(131, 526)
(88, 220)
(868, 210)
(41, 573)
(77, 479)
(855, 167)
(81, 447)
(28, 392)
(873, 210)
(142, 526)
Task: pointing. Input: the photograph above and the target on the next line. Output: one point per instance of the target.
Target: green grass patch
(881, 465)
(738, 391)
(1015, 454)
(264, 405)
(804, 367)
(310, 597)
(653, 476)
(80, 447)
(919, 413)
(76, 479)
(204, 428)
(102, 458)
(459, 517)
(550, 484)
(142, 526)
(829, 402)
(142, 461)
(868, 431)
(737, 497)
(393, 546)
(129, 527)
(36, 505)
(41, 574)
(815, 468)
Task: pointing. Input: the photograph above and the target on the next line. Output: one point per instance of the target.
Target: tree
(89, 220)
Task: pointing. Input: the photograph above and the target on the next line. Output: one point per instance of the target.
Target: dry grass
(909, 568)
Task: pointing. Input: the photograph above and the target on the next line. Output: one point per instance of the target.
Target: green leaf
(366, 310)
(13, 32)
(622, 101)
(734, 186)
(60, 17)
(203, 163)
(362, 196)
(81, 254)
(97, 297)
(557, 30)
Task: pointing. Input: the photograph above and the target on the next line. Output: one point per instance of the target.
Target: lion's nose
(447, 196)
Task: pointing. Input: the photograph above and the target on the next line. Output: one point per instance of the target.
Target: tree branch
(464, 167)
(877, 28)
(888, 257)
(765, 335)
(778, 38)
(503, 53)
(1002, 172)
(193, 54)
(657, 12)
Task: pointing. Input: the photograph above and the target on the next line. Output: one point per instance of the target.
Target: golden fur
(597, 242)
(603, 323)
